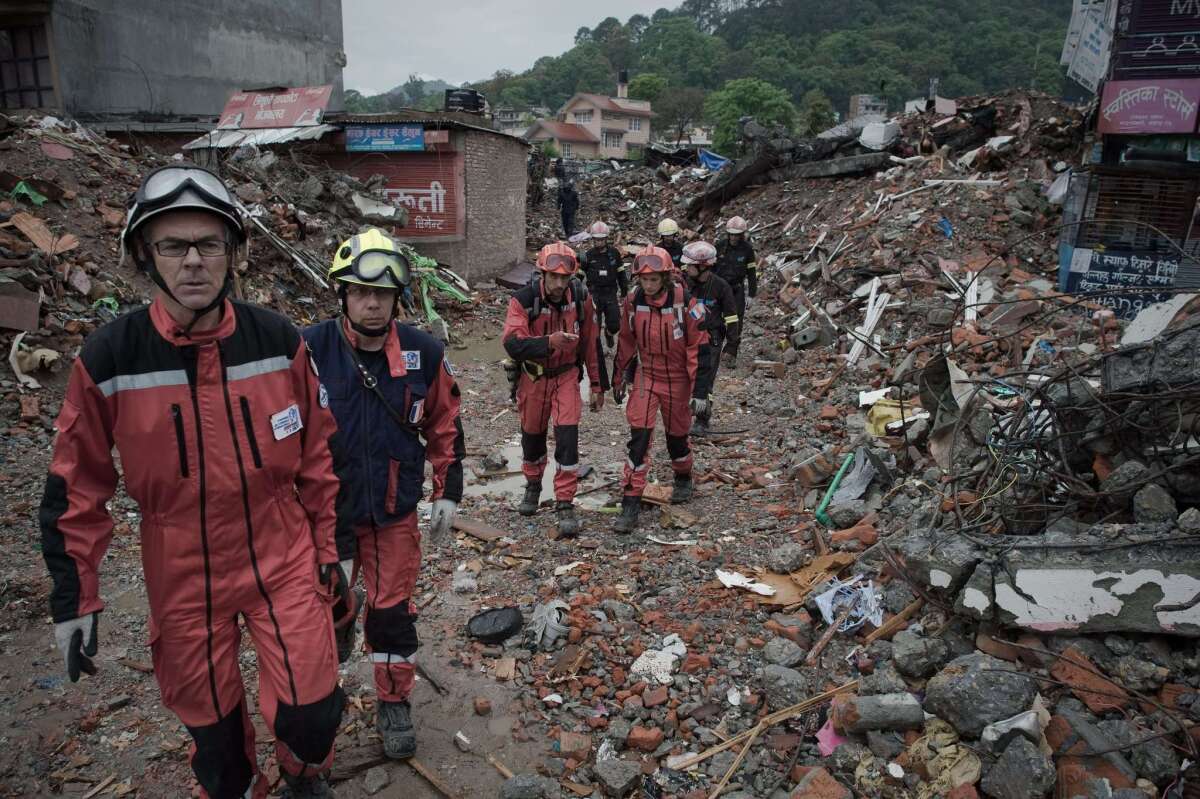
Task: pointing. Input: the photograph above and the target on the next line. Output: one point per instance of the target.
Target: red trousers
(539, 401)
(389, 559)
(647, 399)
(196, 665)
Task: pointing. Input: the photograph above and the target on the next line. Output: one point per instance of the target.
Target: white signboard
(1089, 63)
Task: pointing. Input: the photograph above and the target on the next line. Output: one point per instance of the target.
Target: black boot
(345, 628)
(394, 722)
(627, 521)
(699, 426)
(568, 524)
(683, 489)
(529, 504)
(306, 787)
(609, 341)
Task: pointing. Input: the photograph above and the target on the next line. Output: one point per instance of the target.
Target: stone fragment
(783, 652)
(858, 714)
(617, 777)
(917, 656)
(1153, 505)
(1021, 772)
(975, 690)
(787, 558)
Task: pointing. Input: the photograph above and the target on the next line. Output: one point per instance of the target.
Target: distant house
(596, 126)
(862, 105)
(516, 120)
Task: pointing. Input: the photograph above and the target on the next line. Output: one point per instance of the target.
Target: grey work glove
(441, 519)
(77, 641)
(699, 406)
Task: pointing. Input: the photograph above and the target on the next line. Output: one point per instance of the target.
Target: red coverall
(664, 335)
(389, 543)
(230, 456)
(555, 395)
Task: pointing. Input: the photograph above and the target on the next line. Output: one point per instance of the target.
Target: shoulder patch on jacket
(697, 311)
(412, 360)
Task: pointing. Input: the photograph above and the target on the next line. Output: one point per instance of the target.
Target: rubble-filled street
(945, 540)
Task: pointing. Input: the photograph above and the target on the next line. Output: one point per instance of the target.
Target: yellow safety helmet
(371, 258)
(668, 227)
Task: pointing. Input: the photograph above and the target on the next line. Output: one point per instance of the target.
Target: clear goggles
(653, 263)
(372, 266)
(164, 185)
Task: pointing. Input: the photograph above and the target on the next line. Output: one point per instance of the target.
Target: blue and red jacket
(387, 459)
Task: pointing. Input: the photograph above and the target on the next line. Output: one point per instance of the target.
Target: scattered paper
(735, 580)
(561, 570)
(865, 602)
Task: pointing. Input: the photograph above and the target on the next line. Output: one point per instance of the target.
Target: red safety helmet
(598, 230)
(653, 260)
(557, 258)
(699, 252)
(736, 225)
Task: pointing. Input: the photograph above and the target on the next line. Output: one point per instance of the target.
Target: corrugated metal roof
(223, 139)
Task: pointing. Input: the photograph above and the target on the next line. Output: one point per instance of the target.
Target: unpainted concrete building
(159, 60)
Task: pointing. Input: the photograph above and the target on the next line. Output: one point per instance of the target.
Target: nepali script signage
(1110, 271)
(1149, 106)
(290, 108)
(385, 138)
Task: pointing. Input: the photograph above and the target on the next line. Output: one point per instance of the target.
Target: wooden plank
(483, 532)
(432, 778)
(37, 232)
(892, 625)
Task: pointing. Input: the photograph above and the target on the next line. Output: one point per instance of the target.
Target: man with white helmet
(668, 239)
(228, 447)
(604, 272)
(720, 322)
(736, 264)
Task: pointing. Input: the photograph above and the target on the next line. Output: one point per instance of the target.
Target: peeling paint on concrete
(939, 578)
(976, 600)
(1070, 598)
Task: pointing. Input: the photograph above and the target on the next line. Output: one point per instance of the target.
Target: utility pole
(1037, 54)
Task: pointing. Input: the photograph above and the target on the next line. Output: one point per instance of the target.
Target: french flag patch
(697, 311)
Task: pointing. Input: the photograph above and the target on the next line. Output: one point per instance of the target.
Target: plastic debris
(736, 580)
(865, 603)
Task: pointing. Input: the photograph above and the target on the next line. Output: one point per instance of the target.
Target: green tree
(636, 26)
(815, 113)
(582, 35)
(414, 90)
(647, 86)
(768, 104)
(675, 46)
(677, 111)
(549, 149)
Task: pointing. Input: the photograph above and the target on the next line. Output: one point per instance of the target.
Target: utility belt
(534, 370)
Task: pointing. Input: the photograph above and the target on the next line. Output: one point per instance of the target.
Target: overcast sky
(461, 40)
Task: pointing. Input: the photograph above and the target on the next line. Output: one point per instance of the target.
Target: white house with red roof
(596, 126)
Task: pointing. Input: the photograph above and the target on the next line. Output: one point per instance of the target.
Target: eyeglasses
(179, 248)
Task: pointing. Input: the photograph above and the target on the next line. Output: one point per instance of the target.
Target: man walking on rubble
(228, 449)
(736, 265)
(568, 204)
(604, 272)
(720, 323)
(660, 327)
(668, 239)
(551, 333)
(396, 402)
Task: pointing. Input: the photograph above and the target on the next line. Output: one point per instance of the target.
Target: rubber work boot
(529, 503)
(699, 427)
(345, 628)
(307, 787)
(682, 490)
(568, 523)
(609, 341)
(627, 521)
(394, 722)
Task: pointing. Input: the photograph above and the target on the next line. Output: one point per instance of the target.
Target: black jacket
(736, 263)
(605, 271)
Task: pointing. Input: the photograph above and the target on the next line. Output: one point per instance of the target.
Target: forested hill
(837, 47)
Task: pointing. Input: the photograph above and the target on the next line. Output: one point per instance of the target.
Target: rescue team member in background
(232, 457)
(736, 265)
(660, 327)
(720, 323)
(551, 333)
(389, 386)
(668, 239)
(605, 275)
(568, 205)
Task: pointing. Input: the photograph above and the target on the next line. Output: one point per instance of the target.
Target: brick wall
(495, 178)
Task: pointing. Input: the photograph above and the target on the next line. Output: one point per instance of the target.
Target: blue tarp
(710, 160)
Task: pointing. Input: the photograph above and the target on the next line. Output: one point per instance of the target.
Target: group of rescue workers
(669, 332)
(273, 465)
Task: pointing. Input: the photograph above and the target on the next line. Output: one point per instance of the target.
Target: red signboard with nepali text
(429, 184)
(282, 109)
(1150, 106)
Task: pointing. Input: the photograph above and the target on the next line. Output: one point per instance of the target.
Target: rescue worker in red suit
(552, 333)
(233, 459)
(660, 327)
(389, 386)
